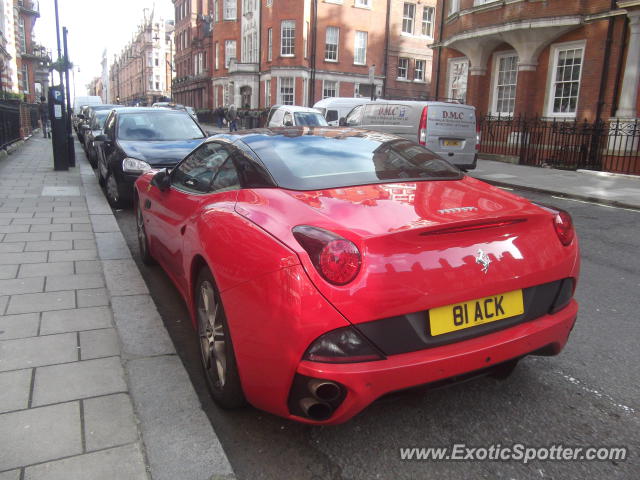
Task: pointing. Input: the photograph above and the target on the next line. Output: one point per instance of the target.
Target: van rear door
(451, 133)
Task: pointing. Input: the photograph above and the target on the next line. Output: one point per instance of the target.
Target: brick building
(193, 53)
(139, 74)
(558, 59)
(411, 29)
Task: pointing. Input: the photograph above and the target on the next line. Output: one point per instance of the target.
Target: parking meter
(58, 128)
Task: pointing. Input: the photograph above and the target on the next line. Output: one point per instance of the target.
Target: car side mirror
(342, 122)
(288, 123)
(102, 138)
(162, 180)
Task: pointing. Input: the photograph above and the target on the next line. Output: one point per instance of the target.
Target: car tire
(216, 348)
(504, 370)
(116, 195)
(143, 241)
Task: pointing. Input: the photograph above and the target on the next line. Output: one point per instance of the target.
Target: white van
(79, 102)
(447, 129)
(334, 108)
(295, 116)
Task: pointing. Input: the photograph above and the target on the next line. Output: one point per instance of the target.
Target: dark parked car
(85, 115)
(136, 140)
(95, 124)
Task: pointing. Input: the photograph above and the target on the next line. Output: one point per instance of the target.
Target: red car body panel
(277, 304)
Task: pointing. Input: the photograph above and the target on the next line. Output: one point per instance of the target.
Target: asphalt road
(587, 396)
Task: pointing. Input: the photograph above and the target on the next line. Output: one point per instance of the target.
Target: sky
(93, 26)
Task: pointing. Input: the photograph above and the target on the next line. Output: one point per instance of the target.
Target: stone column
(631, 80)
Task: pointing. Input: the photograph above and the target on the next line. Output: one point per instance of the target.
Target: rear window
(309, 119)
(314, 162)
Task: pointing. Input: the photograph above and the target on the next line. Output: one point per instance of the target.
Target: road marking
(596, 393)
(594, 203)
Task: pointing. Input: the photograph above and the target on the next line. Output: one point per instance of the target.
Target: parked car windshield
(328, 158)
(158, 126)
(310, 119)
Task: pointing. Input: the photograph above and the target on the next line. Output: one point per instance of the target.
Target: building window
(565, 79)
(329, 88)
(157, 85)
(269, 3)
(403, 67)
(156, 62)
(305, 35)
(505, 78)
(216, 11)
(458, 72)
(418, 73)
(287, 90)
(287, 38)
(25, 79)
(269, 44)
(427, 21)
(229, 10)
(363, 3)
(229, 51)
(360, 48)
(408, 15)
(267, 93)
(331, 44)
(454, 6)
(217, 57)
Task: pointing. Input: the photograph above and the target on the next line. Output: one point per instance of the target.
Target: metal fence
(611, 146)
(9, 122)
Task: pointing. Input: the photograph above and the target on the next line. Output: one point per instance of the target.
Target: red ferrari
(326, 267)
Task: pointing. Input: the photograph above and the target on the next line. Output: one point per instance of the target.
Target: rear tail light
(344, 345)
(334, 257)
(422, 128)
(564, 227)
(562, 224)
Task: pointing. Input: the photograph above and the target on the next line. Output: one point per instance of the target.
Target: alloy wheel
(212, 337)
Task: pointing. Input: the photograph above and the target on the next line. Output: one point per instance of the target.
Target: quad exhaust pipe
(324, 390)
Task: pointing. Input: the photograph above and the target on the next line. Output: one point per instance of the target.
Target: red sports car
(326, 267)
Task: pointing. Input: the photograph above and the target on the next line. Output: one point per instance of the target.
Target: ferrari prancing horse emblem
(484, 260)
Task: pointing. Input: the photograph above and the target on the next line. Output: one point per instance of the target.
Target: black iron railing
(9, 122)
(611, 146)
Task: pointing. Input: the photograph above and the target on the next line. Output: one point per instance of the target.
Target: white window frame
(554, 53)
(408, 19)
(363, 48)
(217, 53)
(362, 3)
(452, 62)
(454, 7)
(216, 11)
(428, 23)
(336, 88)
(495, 77)
(286, 25)
(269, 44)
(336, 44)
(416, 70)
(477, 3)
(267, 93)
(404, 60)
(227, 52)
(293, 87)
(269, 3)
(230, 10)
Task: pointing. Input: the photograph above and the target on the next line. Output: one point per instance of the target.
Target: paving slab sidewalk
(90, 383)
(599, 187)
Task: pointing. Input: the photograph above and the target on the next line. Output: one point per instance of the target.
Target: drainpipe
(605, 64)
(259, 54)
(314, 20)
(386, 51)
(435, 97)
(619, 69)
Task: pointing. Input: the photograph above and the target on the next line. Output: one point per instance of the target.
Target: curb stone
(197, 452)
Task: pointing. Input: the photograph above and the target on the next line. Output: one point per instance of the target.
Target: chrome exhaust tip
(324, 390)
(315, 410)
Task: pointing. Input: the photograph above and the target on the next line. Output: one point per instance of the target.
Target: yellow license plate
(463, 315)
(452, 143)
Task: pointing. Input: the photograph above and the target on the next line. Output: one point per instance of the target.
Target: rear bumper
(365, 382)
